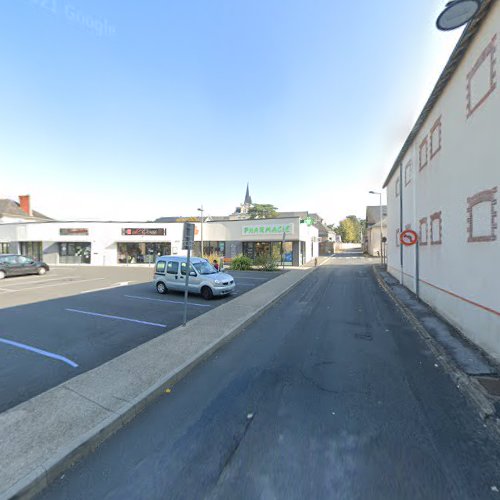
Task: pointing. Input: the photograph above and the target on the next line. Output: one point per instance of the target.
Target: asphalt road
(88, 316)
(330, 394)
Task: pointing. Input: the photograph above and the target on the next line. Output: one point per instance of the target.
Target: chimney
(24, 202)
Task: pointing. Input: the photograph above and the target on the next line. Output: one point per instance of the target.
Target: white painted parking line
(55, 284)
(40, 351)
(166, 300)
(20, 283)
(116, 285)
(116, 317)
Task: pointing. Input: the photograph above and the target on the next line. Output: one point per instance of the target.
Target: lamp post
(380, 206)
(201, 228)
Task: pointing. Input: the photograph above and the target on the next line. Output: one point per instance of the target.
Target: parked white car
(170, 274)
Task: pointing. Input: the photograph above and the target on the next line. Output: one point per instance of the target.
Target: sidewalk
(475, 374)
(45, 435)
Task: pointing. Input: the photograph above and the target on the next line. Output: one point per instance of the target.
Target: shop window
(481, 80)
(482, 216)
(4, 247)
(32, 249)
(436, 224)
(74, 253)
(408, 173)
(142, 253)
(436, 138)
(423, 154)
(423, 231)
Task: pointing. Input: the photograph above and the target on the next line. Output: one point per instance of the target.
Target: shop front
(281, 252)
(142, 252)
(74, 252)
(32, 249)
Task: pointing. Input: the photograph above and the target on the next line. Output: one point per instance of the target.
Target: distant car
(18, 265)
(170, 274)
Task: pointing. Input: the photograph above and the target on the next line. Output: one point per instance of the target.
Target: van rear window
(160, 266)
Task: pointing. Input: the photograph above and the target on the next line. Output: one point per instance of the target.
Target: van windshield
(204, 268)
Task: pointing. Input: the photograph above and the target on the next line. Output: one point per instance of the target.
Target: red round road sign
(408, 237)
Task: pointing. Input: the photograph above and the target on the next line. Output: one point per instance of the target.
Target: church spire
(248, 199)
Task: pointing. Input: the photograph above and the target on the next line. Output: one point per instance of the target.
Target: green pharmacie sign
(267, 229)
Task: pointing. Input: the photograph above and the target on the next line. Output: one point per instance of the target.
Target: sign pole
(188, 267)
(417, 270)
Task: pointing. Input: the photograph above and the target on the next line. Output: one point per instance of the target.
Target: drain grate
(492, 385)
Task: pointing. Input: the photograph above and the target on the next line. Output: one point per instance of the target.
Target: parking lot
(73, 319)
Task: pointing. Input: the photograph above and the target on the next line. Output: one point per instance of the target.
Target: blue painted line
(116, 317)
(40, 351)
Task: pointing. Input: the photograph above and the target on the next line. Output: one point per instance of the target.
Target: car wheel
(161, 288)
(42, 271)
(206, 293)
(2, 275)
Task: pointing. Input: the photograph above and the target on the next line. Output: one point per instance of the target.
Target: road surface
(329, 395)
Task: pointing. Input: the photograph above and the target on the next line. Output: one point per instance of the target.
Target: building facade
(445, 186)
(133, 243)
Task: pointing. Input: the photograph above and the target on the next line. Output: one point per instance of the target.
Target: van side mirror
(193, 273)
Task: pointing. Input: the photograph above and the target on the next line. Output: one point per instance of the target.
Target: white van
(170, 274)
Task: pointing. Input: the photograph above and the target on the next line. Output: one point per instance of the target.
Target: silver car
(170, 274)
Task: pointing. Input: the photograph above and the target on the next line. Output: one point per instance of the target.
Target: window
(436, 224)
(408, 173)
(423, 231)
(396, 187)
(172, 267)
(142, 253)
(436, 138)
(481, 80)
(4, 247)
(398, 242)
(482, 216)
(74, 253)
(183, 268)
(423, 154)
(160, 267)
(32, 249)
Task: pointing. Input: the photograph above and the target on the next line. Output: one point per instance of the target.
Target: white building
(444, 185)
(128, 243)
(374, 233)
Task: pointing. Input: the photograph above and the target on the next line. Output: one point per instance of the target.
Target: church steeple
(248, 199)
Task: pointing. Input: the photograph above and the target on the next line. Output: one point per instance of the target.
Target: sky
(124, 110)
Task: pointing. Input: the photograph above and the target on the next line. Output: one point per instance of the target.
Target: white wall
(459, 278)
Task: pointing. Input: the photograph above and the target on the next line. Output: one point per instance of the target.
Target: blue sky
(134, 110)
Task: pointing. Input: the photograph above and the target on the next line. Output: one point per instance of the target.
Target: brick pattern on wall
(408, 173)
(423, 231)
(488, 55)
(487, 196)
(423, 154)
(436, 236)
(435, 135)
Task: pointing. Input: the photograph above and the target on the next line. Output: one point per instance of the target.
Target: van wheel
(161, 288)
(2, 275)
(206, 293)
(42, 271)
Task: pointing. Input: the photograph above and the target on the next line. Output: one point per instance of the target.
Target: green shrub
(266, 263)
(241, 263)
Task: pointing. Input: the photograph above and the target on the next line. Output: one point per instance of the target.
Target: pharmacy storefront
(131, 243)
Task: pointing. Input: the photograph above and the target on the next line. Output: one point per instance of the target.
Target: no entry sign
(408, 237)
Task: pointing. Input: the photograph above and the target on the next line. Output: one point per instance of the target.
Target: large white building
(445, 186)
(133, 243)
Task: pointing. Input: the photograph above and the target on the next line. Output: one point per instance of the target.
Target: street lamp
(380, 206)
(201, 231)
(457, 13)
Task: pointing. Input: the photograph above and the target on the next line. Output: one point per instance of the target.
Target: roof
(12, 208)
(373, 213)
(449, 70)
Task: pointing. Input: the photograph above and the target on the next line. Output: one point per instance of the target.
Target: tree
(350, 229)
(262, 211)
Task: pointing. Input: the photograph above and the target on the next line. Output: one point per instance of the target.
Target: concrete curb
(467, 385)
(32, 482)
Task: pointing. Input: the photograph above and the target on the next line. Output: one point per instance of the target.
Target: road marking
(166, 300)
(40, 351)
(116, 317)
(248, 278)
(55, 284)
(116, 285)
(20, 283)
